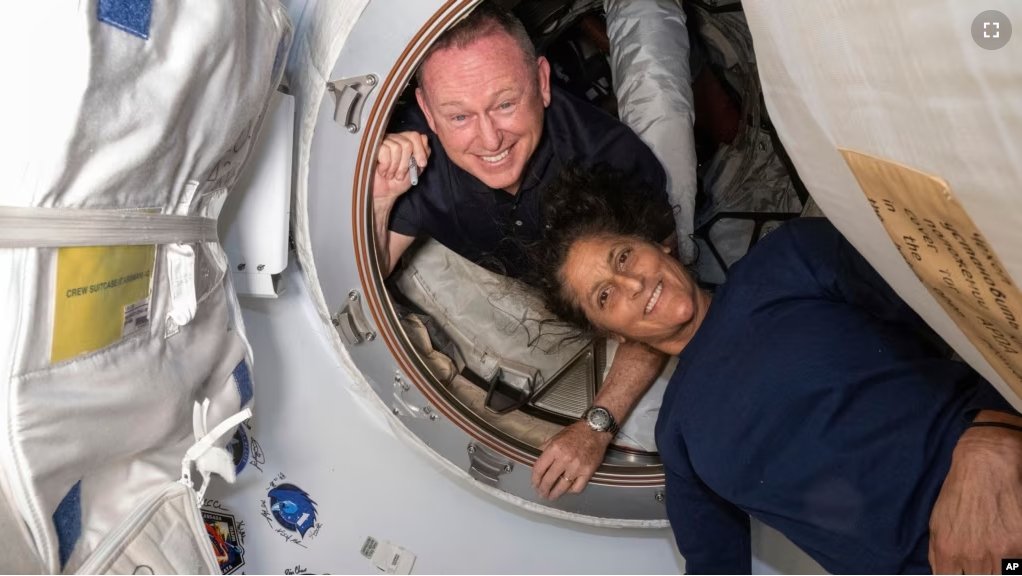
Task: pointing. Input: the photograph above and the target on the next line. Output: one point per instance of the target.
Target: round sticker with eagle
(290, 512)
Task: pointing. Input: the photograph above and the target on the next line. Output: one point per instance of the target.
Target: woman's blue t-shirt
(814, 399)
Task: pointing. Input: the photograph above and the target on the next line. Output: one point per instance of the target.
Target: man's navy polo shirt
(491, 227)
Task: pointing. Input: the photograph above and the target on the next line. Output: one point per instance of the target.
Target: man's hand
(390, 181)
(391, 178)
(977, 519)
(569, 460)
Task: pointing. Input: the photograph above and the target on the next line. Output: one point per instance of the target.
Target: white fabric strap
(207, 457)
(58, 227)
(181, 273)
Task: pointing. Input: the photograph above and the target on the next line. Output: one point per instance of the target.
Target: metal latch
(350, 95)
(351, 323)
(402, 407)
(486, 465)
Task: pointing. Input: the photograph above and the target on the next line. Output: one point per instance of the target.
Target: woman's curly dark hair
(584, 202)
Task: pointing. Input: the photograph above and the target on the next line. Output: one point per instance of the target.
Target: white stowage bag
(649, 57)
(492, 320)
(126, 122)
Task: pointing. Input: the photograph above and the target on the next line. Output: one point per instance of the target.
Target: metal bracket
(349, 96)
(487, 466)
(351, 322)
(512, 386)
(401, 406)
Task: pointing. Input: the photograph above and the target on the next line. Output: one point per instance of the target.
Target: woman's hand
(977, 519)
(569, 460)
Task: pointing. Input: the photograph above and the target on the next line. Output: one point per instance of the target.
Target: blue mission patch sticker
(239, 449)
(226, 540)
(293, 511)
(292, 508)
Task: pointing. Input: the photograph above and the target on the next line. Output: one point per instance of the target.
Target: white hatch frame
(374, 66)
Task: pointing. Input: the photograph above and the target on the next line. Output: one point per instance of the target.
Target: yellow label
(949, 255)
(102, 296)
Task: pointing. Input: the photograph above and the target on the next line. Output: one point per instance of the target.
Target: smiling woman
(584, 209)
(785, 391)
(629, 286)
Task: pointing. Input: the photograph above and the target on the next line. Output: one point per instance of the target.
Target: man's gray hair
(484, 20)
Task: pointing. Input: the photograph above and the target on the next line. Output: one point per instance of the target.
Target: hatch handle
(486, 465)
(350, 94)
(351, 323)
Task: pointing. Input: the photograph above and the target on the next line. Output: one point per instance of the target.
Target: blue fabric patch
(244, 382)
(132, 16)
(67, 519)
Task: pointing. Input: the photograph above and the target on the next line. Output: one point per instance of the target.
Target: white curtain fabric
(902, 81)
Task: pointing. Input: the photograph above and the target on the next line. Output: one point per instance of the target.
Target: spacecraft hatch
(458, 356)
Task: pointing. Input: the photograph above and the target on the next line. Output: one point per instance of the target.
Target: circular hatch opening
(476, 344)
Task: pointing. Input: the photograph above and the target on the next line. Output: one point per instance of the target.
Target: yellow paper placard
(102, 296)
(949, 255)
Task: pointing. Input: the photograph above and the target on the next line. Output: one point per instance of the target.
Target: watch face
(599, 419)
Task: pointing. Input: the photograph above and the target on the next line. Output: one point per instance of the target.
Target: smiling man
(488, 137)
(490, 133)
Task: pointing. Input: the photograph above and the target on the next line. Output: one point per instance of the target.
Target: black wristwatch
(601, 420)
